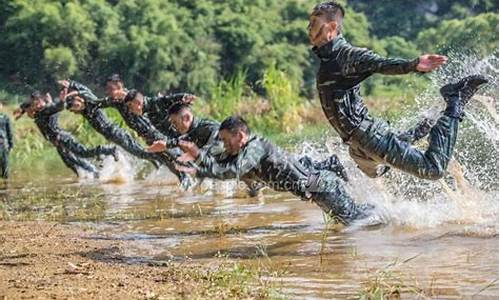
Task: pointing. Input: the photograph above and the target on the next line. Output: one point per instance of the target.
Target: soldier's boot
(457, 95)
(421, 130)
(333, 164)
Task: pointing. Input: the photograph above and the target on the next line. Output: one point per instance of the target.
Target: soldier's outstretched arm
(83, 90)
(56, 106)
(165, 102)
(354, 60)
(234, 168)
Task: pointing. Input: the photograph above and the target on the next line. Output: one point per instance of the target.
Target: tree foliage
(170, 45)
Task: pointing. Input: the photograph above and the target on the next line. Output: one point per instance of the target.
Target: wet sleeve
(83, 90)
(54, 107)
(237, 167)
(355, 61)
(165, 102)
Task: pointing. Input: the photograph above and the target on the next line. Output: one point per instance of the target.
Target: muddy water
(450, 254)
(440, 241)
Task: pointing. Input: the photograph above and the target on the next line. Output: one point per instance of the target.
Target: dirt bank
(45, 260)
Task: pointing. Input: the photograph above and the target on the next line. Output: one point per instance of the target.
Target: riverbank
(45, 260)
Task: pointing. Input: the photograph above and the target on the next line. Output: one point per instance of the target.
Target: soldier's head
(234, 133)
(34, 104)
(135, 102)
(181, 117)
(325, 22)
(114, 87)
(75, 104)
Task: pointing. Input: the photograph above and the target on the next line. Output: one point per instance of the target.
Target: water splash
(469, 194)
(118, 172)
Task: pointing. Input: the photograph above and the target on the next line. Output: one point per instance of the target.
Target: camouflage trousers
(69, 142)
(129, 144)
(326, 189)
(74, 162)
(374, 147)
(4, 161)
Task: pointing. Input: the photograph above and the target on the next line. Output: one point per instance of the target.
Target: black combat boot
(457, 95)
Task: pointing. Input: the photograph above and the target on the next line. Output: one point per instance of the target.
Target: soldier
(116, 94)
(248, 157)
(87, 104)
(372, 144)
(6, 143)
(71, 151)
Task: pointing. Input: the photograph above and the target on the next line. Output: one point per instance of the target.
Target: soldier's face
(136, 105)
(233, 142)
(115, 90)
(37, 105)
(182, 121)
(78, 105)
(320, 30)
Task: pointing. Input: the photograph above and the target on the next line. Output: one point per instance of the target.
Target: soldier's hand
(157, 146)
(64, 83)
(48, 98)
(185, 158)
(18, 113)
(190, 148)
(119, 96)
(429, 62)
(188, 99)
(188, 170)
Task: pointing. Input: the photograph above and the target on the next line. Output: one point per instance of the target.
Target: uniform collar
(146, 104)
(326, 50)
(194, 124)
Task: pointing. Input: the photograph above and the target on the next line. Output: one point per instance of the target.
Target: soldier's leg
(332, 163)
(421, 130)
(370, 166)
(69, 142)
(4, 162)
(73, 162)
(128, 143)
(432, 163)
(327, 192)
(382, 145)
(167, 158)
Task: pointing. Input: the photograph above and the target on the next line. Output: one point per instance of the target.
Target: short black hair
(36, 95)
(234, 123)
(114, 78)
(131, 95)
(178, 107)
(332, 10)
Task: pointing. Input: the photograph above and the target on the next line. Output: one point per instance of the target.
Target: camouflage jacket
(47, 120)
(140, 124)
(156, 110)
(203, 133)
(93, 112)
(6, 135)
(258, 161)
(343, 67)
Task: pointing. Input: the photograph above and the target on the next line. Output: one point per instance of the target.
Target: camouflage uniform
(261, 161)
(143, 126)
(70, 150)
(371, 142)
(6, 144)
(94, 114)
